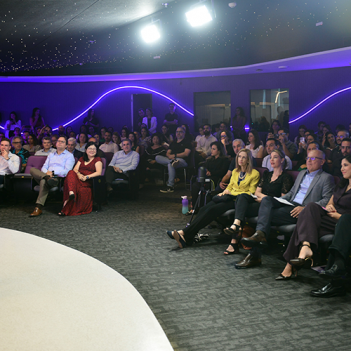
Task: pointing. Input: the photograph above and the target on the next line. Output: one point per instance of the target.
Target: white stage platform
(56, 298)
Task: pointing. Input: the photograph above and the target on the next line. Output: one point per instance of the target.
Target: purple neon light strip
(125, 87)
(320, 103)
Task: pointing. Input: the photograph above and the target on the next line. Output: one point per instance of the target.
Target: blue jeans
(163, 160)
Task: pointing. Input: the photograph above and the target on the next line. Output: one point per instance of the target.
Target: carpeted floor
(200, 299)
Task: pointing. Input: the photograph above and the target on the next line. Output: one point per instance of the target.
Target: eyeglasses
(313, 158)
(16, 142)
(281, 133)
(60, 141)
(341, 136)
(179, 131)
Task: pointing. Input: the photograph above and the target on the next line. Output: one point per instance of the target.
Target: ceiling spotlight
(232, 4)
(198, 16)
(150, 33)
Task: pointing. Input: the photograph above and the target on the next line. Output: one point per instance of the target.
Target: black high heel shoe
(288, 277)
(235, 247)
(235, 233)
(301, 262)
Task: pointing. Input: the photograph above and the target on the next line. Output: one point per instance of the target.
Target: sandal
(235, 247)
(235, 233)
(300, 262)
(178, 238)
(61, 214)
(287, 277)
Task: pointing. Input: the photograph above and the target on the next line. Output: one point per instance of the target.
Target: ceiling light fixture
(151, 33)
(199, 14)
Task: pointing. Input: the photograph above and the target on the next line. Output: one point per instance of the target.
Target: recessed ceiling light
(198, 16)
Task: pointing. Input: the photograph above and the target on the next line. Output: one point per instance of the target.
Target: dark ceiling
(62, 37)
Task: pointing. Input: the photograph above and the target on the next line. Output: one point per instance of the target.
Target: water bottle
(185, 205)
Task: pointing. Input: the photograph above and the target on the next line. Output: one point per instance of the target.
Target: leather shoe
(329, 291)
(248, 262)
(37, 212)
(258, 239)
(52, 182)
(335, 271)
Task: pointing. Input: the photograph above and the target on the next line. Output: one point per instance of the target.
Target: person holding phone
(316, 221)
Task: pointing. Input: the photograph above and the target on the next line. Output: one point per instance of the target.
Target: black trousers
(342, 238)
(205, 216)
(245, 206)
(2, 179)
(111, 175)
(273, 212)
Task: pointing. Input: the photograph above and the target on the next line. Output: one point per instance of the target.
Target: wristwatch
(87, 177)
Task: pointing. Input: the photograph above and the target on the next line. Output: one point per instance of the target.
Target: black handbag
(224, 198)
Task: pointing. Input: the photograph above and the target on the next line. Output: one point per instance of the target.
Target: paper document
(284, 201)
(254, 196)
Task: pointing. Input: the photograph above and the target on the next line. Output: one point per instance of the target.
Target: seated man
(60, 162)
(19, 151)
(47, 149)
(345, 149)
(54, 138)
(335, 154)
(99, 153)
(71, 147)
(289, 147)
(9, 162)
(109, 145)
(311, 185)
(203, 146)
(339, 249)
(273, 144)
(122, 162)
(177, 156)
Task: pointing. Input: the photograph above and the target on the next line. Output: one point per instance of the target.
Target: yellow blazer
(247, 186)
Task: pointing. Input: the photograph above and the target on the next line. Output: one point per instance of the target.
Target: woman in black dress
(276, 183)
(315, 221)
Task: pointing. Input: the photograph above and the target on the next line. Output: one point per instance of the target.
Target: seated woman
(82, 142)
(135, 146)
(244, 179)
(225, 139)
(167, 138)
(77, 190)
(32, 145)
(276, 183)
(315, 221)
(255, 145)
(216, 167)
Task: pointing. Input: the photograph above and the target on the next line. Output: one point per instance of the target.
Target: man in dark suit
(311, 185)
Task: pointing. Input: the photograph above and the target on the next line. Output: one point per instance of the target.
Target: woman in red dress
(77, 191)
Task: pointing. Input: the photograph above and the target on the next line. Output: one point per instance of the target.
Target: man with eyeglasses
(177, 156)
(311, 185)
(19, 151)
(58, 163)
(345, 149)
(288, 146)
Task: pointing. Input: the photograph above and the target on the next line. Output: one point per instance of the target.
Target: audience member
(145, 140)
(122, 162)
(77, 191)
(83, 129)
(36, 120)
(238, 144)
(274, 130)
(311, 185)
(273, 183)
(226, 141)
(99, 153)
(150, 121)
(316, 221)
(177, 156)
(60, 162)
(300, 138)
(167, 137)
(135, 146)
(9, 162)
(274, 144)
(61, 130)
(255, 145)
(141, 114)
(91, 130)
(263, 125)
(216, 167)
(90, 120)
(71, 147)
(116, 138)
(244, 180)
(171, 118)
(203, 146)
(68, 131)
(25, 135)
(329, 141)
(124, 133)
(12, 123)
(320, 133)
(345, 151)
(54, 138)
(17, 132)
(2, 135)
(32, 144)
(223, 128)
(238, 123)
(82, 142)
(301, 162)
(47, 149)
(288, 146)
(18, 149)
(339, 127)
(188, 136)
(109, 145)
(201, 133)
(72, 134)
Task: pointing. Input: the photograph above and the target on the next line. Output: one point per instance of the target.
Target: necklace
(242, 175)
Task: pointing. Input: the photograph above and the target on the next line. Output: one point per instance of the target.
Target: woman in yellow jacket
(244, 180)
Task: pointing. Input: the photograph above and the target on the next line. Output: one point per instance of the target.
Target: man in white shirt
(108, 145)
(203, 147)
(9, 162)
(47, 149)
(273, 144)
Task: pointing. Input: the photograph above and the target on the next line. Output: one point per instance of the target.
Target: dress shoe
(258, 239)
(287, 277)
(52, 182)
(302, 262)
(335, 271)
(248, 262)
(37, 212)
(329, 291)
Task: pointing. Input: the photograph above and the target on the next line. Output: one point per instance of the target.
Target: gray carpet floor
(201, 301)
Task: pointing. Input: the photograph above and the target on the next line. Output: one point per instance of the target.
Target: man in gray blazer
(311, 185)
